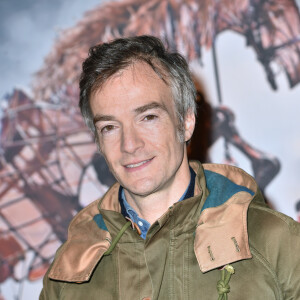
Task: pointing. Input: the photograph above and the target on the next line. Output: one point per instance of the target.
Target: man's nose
(131, 140)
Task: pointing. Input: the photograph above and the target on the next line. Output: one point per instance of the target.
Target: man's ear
(189, 125)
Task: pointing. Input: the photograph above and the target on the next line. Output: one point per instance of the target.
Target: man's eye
(149, 117)
(107, 128)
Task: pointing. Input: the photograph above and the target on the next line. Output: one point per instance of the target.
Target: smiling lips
(137, 165)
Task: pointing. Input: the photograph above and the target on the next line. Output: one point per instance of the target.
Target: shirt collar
(128, 211)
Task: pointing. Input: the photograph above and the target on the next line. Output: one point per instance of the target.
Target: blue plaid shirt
(144, 225)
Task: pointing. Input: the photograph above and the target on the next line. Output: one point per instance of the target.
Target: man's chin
(141, 189)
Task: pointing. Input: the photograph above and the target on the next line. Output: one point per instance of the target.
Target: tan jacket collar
(221, 234)
(86, 244)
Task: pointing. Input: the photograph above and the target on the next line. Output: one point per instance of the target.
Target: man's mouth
(130, 166)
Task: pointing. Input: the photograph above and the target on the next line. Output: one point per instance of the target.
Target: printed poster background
(244, 56)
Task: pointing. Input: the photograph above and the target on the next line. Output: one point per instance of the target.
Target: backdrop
(245, 59)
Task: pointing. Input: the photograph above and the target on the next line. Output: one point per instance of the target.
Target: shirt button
(140, 223)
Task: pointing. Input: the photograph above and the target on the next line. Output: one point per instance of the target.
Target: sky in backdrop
(27, 32)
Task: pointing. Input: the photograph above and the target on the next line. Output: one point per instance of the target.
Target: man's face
(137, 127)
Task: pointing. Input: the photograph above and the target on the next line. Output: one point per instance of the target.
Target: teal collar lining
(220, 189)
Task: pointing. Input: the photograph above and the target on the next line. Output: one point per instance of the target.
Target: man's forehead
(132, 90)
(135, 72)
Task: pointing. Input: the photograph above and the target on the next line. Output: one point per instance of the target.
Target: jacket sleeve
(51, 288)
(277, 238)
(288, 266)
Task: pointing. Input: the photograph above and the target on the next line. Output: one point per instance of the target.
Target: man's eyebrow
(151, 105)
(99, 117)
(138, 110)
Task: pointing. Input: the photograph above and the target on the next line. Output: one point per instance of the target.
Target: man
(168, 229)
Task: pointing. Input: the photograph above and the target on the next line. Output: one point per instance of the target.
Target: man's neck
(153, 206)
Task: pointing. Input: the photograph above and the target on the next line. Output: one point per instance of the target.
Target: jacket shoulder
(266, 223)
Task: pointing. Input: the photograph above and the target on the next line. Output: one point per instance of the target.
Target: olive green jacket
(226, 222)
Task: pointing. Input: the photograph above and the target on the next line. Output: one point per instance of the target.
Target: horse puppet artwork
(42, 152)
(48, 160)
